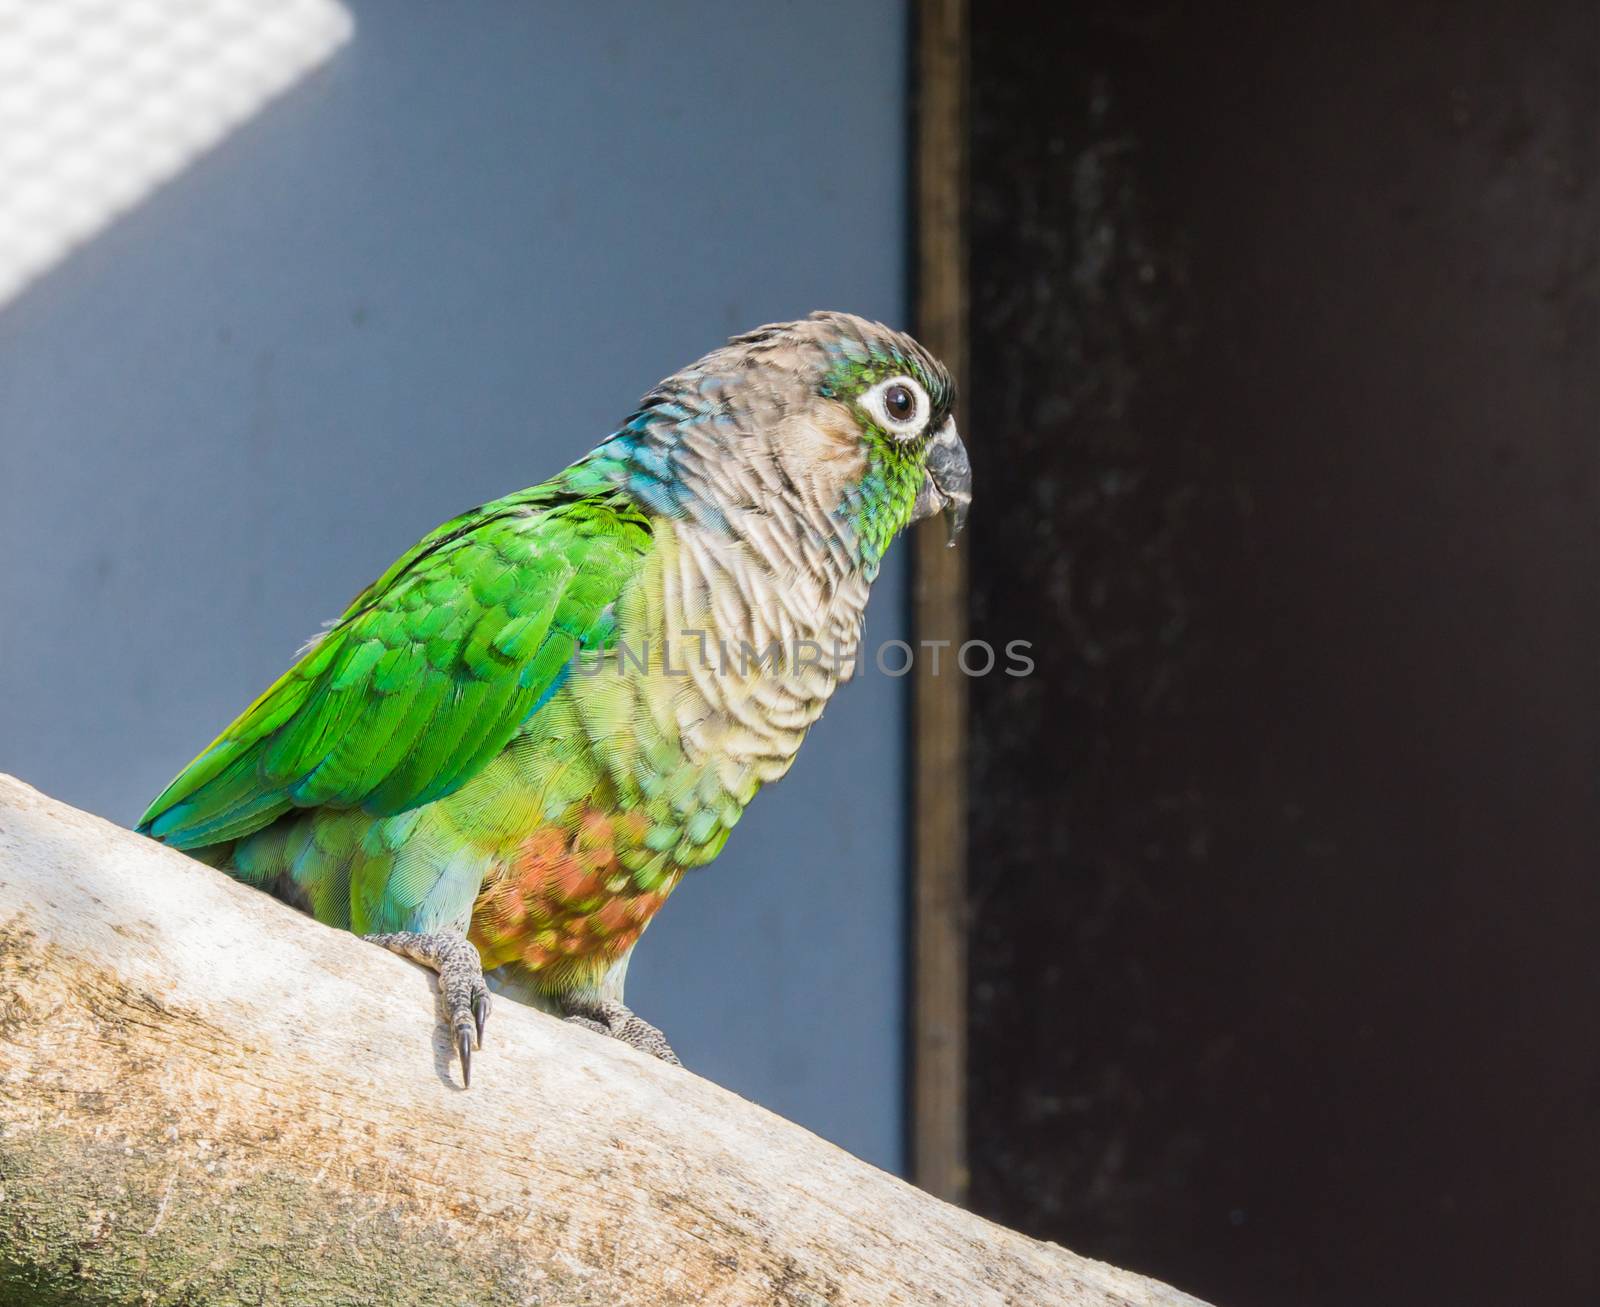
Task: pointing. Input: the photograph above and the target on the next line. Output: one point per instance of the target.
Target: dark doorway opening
(1285, 863)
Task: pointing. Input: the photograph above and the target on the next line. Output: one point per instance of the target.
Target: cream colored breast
(764, 628)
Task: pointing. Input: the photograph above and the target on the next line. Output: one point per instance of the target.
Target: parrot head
(833, 424)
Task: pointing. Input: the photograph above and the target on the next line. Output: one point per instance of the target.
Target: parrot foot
(461, 988)
(606, 1016)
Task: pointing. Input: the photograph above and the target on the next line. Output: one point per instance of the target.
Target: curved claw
(610, 1017)
(462, 993)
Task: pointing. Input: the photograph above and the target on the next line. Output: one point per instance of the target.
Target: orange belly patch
(563, 904)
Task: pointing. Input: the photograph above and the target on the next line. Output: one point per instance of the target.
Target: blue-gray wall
(435, 271)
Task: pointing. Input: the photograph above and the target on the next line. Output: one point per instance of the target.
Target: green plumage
(427, 674)
(492, 737)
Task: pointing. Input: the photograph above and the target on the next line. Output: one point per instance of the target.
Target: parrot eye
(899, 405)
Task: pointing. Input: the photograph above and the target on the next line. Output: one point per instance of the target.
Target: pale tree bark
(207, 1098)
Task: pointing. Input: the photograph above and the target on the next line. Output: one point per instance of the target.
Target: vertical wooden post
(939, 612)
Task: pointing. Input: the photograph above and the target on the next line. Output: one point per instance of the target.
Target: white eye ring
(876, 402)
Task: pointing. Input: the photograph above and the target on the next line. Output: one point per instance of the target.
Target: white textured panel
(103, 100)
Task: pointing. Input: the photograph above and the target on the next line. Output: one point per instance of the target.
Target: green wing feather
(426, 676)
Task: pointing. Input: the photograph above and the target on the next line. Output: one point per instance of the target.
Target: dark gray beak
(946, 481)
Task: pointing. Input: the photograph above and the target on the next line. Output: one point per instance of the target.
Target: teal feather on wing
(426, 676)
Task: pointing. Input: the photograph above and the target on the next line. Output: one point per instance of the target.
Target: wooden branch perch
(208, 1098)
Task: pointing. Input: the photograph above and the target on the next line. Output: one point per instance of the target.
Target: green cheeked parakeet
(510, 747)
